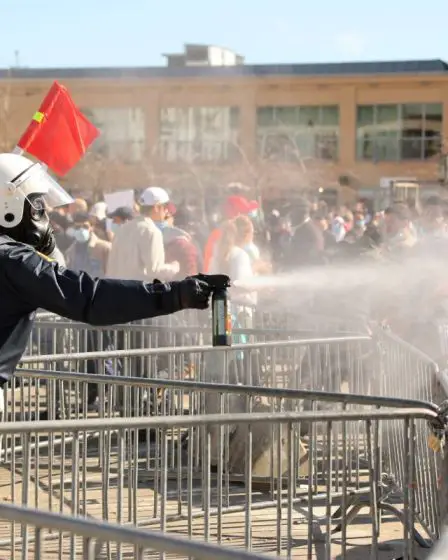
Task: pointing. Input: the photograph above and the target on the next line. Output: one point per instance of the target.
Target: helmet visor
(36, 180)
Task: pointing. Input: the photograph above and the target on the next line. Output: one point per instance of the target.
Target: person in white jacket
(137, 249)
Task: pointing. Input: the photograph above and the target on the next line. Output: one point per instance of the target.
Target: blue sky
(67, 33)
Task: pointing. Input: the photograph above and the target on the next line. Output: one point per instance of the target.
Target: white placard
(118, 199)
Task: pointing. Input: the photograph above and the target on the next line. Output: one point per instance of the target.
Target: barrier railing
(58, 335)
(55, 335)
(96, 537)
(375, 364)
(404, 371)
(378, 363)
(339, 364)
(310, 481)
(289, 361)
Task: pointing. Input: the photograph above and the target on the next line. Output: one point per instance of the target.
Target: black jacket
(31, 281)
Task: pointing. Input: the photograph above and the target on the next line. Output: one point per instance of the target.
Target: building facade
(277, 128)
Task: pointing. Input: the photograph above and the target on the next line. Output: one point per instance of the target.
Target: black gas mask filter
(35, 228)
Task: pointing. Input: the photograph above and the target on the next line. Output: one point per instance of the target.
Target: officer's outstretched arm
(37, 282)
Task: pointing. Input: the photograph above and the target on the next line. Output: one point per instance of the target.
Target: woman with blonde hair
(231, 259)
(245, 240)
(245, 237)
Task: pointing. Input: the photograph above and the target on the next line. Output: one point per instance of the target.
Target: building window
(122, 132)
(399, 132)
(199, 134)
(295, 133)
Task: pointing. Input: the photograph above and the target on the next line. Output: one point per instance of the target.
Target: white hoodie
(138, 253)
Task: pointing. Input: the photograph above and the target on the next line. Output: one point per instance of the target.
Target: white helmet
(19, 178)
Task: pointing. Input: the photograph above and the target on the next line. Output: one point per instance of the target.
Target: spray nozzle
(216, 281)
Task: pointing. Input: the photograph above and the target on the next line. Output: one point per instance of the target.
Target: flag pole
(18, 150)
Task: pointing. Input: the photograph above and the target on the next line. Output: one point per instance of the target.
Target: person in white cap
(137, 249)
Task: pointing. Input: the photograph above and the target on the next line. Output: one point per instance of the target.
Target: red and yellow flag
(59, 134)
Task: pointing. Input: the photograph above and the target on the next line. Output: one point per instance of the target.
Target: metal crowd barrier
(55, 335)
(340, 364)
(275, 364)
(378, 364)
(89, 538)
(405, 371)
(330, 464)
(172, 381)
(311, 518)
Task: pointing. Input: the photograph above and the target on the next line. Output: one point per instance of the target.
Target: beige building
(278, 128)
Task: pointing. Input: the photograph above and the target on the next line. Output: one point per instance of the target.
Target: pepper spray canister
(221, 316)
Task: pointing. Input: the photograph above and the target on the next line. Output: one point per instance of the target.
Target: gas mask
(35, 228)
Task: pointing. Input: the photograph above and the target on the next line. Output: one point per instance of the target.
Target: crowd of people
(314, 233)
(154, 239)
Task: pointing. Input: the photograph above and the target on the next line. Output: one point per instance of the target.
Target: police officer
(31, 279)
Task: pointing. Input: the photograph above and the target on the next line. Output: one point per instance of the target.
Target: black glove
(193, 292)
